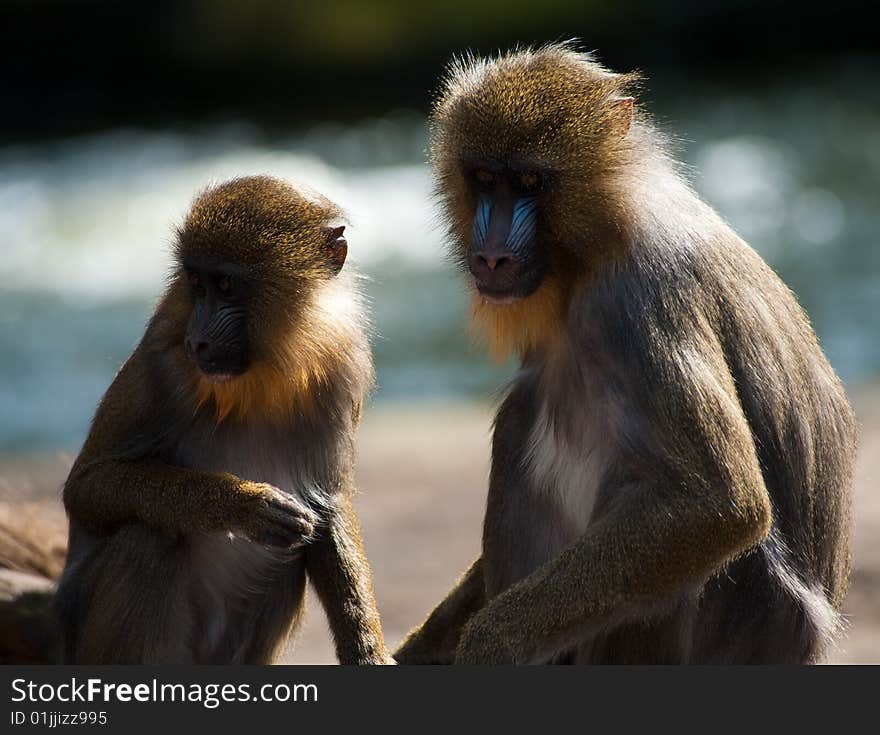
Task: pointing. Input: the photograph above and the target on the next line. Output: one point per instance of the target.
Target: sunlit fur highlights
(215, 484)
(671, 466)
(495, 109)
(325, 342)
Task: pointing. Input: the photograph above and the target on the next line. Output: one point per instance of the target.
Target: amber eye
(529, 181)
(483, 176)
(224, 284)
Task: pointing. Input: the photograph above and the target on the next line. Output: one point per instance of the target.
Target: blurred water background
(86, 221)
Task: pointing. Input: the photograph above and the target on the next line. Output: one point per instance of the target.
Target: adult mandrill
(219, 467)
(671, 466)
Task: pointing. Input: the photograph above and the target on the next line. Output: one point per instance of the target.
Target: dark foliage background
(74, 65)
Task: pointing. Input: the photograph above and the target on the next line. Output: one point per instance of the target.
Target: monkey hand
(484, 641)
(379, 659)
(414, 651)
(275, 518)
(421, 648)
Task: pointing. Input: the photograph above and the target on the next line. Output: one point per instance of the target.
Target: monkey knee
(121, 603)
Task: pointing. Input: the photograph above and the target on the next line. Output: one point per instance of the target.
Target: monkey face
(257, 261)
(526, 148)
(229, 300)
(229, 315)
(216, 335)
(504, 256)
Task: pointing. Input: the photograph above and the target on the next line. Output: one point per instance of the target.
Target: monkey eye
(529, 181)
(194, 280)
(224, 284)
(484, 177)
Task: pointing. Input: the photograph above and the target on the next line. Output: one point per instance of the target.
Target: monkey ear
(337, 247)
(622, 112)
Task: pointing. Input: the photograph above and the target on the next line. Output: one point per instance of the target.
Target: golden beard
(328, 344)
(263, 390)
(531, 323)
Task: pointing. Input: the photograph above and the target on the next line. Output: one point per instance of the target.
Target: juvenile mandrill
(218, 471)
(671, 466)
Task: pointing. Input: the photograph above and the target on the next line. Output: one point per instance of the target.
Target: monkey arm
(435, 640)
(689, 497)
(104, 494)
(642, 557)
(106, 488)
(340, 573)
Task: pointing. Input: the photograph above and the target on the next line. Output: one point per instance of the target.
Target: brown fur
(573, 134)
(277, 231)
(671, 467)
(183, 482)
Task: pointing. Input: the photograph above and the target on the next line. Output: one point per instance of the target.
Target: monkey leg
(275, 619)
(340, 574)
(762, 611)
(124, 599)
(435, 640)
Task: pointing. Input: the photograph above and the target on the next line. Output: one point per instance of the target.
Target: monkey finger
(275, 534)
(290, 525)
(290, 506)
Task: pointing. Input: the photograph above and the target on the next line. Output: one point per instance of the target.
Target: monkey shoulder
(687, 292)
(123, 411)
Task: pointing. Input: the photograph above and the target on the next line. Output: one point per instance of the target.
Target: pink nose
(195, 347)
(492, 262)
(491, 265)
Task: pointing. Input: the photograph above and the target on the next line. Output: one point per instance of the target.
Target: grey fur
(776, 603)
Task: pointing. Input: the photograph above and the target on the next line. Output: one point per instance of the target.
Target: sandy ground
(422, 475)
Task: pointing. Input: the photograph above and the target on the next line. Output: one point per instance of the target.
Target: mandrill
(218, 471)
(671, 465)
